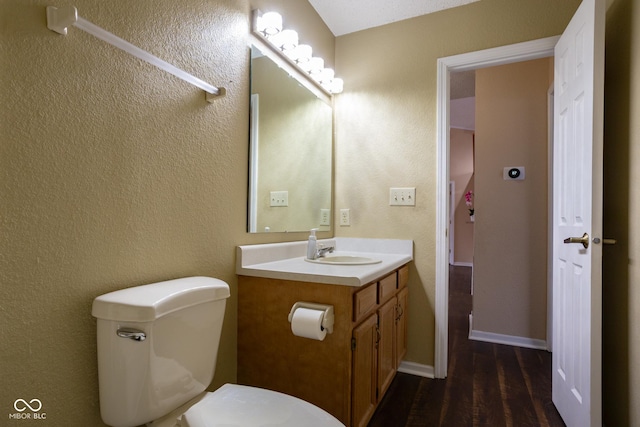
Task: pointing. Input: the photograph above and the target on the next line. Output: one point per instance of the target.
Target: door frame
(452, 222)
(519, 52)
(254, 148)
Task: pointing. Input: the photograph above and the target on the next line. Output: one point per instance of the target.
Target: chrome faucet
(322, 251)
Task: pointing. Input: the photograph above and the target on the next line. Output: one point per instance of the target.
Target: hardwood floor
(487, 384)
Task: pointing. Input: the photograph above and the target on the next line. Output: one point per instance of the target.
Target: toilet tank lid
(148, 302)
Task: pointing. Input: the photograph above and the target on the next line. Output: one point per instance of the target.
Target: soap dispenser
(312, 246)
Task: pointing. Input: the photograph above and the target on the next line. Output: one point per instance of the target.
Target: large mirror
(290, 152)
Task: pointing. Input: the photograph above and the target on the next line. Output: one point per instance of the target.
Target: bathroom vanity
(349, 371)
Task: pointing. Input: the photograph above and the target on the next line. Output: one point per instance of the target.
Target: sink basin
(344, 260)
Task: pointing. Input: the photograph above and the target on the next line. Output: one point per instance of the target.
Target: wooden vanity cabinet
(365, 368)
(389, 347)
(348, 372)
(401, 324)
(386, 345)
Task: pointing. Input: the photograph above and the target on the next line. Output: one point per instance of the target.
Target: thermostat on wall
(512, 173)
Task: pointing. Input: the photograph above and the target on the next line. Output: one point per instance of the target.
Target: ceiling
(462, 84)
(348, 16)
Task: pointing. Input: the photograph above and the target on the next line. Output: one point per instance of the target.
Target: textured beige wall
(113, 174)
(386, 126)
(461, 172)
(510, 263)
(621, 263)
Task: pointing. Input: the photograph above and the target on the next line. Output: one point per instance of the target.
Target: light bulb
(270, 23)
(289, 40)
(303, 53)
(336, 86)
(326, 75)
(285, 40)
(314, 65)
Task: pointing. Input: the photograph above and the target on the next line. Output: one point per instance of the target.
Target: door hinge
(353, 344)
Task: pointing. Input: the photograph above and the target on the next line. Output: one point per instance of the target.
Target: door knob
(605, 241)
(584, 240)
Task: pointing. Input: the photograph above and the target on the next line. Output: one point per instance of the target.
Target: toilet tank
(157, 346)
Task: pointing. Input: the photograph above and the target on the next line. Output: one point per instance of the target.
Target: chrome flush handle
(132, 334)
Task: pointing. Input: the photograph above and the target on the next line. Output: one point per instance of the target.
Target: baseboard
(505, 339)
(508, 340)
(418, 369)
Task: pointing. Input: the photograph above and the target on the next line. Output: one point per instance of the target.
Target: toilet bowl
(242, 406)
(157, 350)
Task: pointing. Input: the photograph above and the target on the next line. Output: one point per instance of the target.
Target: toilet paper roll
(307, 323)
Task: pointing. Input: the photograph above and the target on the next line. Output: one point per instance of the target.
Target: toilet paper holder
(327, 319)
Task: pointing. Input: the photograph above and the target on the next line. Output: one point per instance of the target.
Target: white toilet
(157, 350)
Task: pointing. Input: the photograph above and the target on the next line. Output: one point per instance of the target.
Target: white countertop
(286, 260)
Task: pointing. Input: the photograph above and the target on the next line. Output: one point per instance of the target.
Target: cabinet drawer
(364, 301)
(387, 287)
(403, 276)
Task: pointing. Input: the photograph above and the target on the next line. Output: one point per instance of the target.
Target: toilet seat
(242, 406)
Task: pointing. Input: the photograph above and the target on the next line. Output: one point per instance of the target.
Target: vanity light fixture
(268, 27)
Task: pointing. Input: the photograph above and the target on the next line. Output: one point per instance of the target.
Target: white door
(577, 217)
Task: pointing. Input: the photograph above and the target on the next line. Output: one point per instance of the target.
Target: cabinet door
(365, 358)
(386, 345)
(387, 287)
(365, 301)
(401, 325)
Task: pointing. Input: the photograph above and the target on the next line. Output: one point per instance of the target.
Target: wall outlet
(345, 217)
(325, 216)
(405, 196)
(279, 198)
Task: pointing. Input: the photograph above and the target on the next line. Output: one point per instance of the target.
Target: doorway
(511, 236)
(465, 62)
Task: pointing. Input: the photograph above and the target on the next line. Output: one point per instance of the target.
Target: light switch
(279, 198)
(405, 196)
